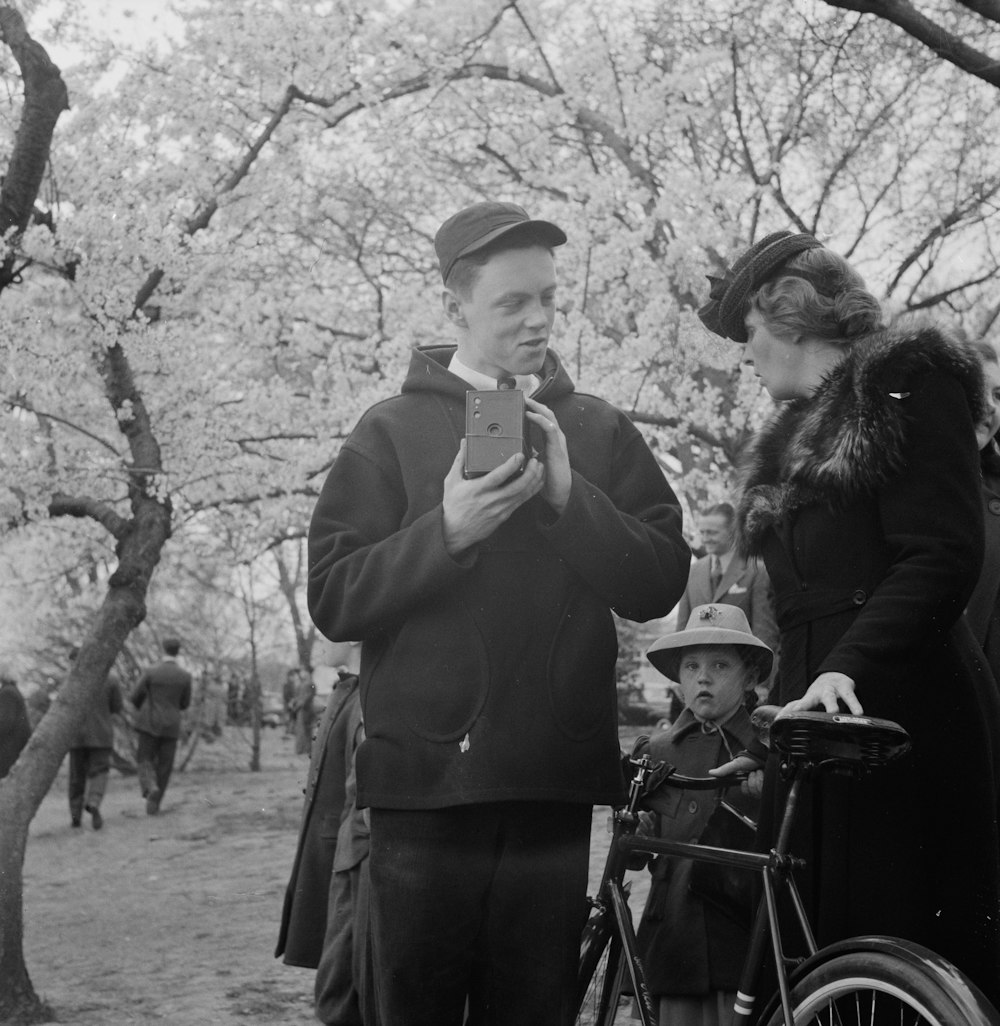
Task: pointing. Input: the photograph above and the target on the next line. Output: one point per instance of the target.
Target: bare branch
(20, 404)
(945, 44)
(63, 505)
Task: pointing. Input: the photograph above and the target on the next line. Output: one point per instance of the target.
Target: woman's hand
(827, 691)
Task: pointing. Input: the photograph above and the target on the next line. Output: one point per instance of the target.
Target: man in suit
(163, 692)
(723, 575)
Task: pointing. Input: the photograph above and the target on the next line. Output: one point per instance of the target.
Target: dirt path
(173, 919)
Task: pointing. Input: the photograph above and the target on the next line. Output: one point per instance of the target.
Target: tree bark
(45, 98)
(22, 790)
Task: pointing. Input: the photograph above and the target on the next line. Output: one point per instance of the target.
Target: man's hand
(558, 476)
(827, 691)
(475, 508)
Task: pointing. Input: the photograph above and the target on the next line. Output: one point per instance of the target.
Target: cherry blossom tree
(229, 256)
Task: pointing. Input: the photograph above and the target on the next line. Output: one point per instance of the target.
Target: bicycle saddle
(842, 738)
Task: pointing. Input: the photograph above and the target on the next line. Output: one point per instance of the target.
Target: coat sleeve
(932, 523)
(365, 569)
(626, 544)
(138, 695)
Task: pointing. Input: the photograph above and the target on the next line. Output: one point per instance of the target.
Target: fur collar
(847, 438)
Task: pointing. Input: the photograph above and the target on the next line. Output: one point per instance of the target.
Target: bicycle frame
(775, 869)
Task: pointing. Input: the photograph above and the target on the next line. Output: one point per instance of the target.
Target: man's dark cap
(726, 308)
(477, 226)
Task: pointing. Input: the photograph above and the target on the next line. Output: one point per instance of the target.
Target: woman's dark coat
(303, 917)
(864, 501)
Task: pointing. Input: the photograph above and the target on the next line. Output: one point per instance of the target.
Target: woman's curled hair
(818, 294)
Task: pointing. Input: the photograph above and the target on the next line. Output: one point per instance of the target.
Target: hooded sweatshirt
(489, 676)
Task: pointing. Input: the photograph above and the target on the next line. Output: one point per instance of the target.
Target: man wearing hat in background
(488, 647)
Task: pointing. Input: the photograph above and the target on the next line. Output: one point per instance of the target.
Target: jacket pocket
(581, 669)
(432, 681)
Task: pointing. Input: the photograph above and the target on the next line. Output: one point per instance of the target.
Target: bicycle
(870, 979)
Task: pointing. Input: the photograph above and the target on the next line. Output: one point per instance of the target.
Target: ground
(172, 919)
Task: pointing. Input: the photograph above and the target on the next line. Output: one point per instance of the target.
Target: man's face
(716, 534)
(507, 318)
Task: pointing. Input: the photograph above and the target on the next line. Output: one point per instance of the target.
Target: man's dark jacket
(162, 693)
(489, 676)
(303, 917)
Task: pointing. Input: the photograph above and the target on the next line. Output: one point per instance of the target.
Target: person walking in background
(90, 755)
(162, 693)
(724, 575)
(483, 605)
(304, 710)
(863, 496)
(15, 727)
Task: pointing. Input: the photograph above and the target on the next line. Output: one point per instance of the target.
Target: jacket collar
(428, 372)
(847, 438)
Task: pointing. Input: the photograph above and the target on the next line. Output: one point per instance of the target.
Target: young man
(722, 575)
(161, 695)
(488, 647)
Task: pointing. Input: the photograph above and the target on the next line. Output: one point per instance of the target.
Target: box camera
(495, 429)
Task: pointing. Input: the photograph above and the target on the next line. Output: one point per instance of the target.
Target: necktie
(505, 383)
(714, 573)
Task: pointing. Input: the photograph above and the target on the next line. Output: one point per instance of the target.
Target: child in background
(695, 926)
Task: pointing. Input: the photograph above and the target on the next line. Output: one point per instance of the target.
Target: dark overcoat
(303, 917)
(15, 727)
(688, 946)
(864, 501)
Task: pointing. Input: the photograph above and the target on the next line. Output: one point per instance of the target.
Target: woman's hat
(713, 624)
(725, 310)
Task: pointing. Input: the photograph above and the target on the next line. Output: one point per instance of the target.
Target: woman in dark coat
(862, 495)
(983, 610)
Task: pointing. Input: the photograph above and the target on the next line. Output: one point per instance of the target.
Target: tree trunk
(22, 790)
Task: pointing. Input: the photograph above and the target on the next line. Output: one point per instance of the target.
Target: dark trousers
(482, 904)
(88, 778)
(155, 756)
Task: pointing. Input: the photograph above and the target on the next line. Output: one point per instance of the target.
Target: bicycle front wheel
(875, 988)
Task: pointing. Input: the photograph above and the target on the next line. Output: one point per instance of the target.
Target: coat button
(994, 506)
(860, 597)
(692, 807)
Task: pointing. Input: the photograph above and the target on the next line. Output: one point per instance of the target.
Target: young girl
(692, 939)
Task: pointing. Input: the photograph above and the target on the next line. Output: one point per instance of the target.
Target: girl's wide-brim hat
(725, 312)
(712, 624)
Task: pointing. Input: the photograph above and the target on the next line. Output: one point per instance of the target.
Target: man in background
(15, 727)
(90, 755)
(163, 692)
(723, 575)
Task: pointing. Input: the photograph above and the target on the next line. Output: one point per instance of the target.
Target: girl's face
(987, 428)
(714, 680)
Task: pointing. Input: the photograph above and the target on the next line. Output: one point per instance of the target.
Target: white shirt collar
(483, 382)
